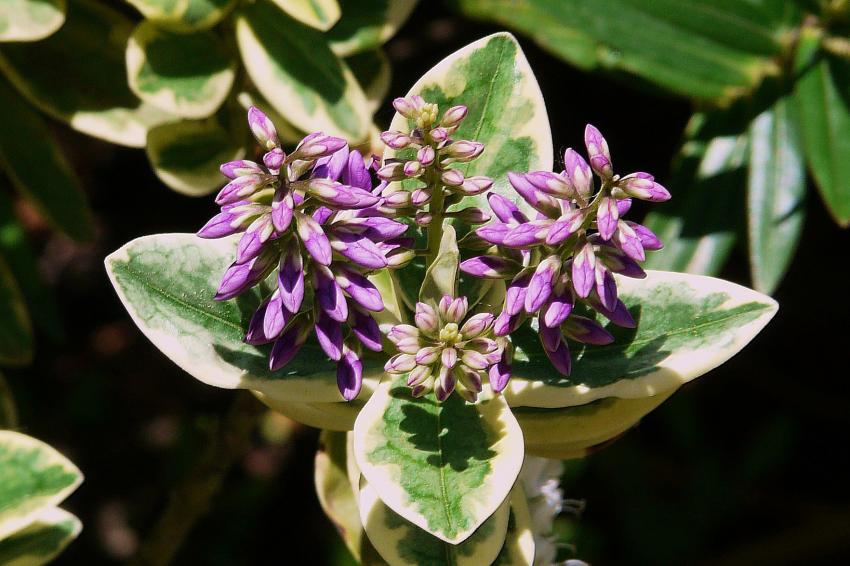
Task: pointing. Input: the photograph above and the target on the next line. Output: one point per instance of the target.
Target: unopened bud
(452, 178)
(274, 159)
(462, 150)
(392, 171)
(413, 169)
(471, 215)
(476, 185)
(453, 116)
(262, 128)
(399, 258)
(439, 135)
(426, 155)
(395, 140)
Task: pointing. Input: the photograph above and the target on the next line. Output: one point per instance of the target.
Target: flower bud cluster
(429, 153)
(443, 352)
(570, 251)
(313, 215)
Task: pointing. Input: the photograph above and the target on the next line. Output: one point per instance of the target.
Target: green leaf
(687, 326)
(401, 543)
(167, 283)
(441, 276)
(367, 24)
(30, 20)
(776, 193)
(338, 416)
(318, 14)
(8, 411)
(569, 431)
(188, 75)
(708, 49)
(295, 70)
(518, 549)
(37, 167)
(824, 106)
(15, 326)
(184, 15)
(697, 227)
(33, 477)
(506, 111)
(445, 467)
(93, 96)
(372, 71)
(42, 541)
(186, 155)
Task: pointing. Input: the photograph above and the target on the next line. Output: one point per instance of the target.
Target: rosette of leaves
(769, 83)
(171, 75)
(421, 481)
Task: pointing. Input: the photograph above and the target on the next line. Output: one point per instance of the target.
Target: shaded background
(748, 465)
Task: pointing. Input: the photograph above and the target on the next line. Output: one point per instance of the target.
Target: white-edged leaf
(30, 20)
(295, 70)
(445, 467)
(318, 14)
(441, 276)
(518, 549)
(42, 541)
(373, 72)
(326, 416)
(167, 283)
(184, 15)
(34, 476)
(366, 24)
(687, 326)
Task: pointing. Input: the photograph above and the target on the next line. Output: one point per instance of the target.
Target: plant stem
(191, 499)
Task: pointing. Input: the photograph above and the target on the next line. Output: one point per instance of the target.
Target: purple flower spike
(583, 272)
(550, 337)
(597, 150)
(234, 169)
(588, 331)
(606, 287)
(607, 217)
(558, 309)
(349, 375)
(365, 329)
(578, 172)
(332, 166)
(505, 210)
(329, 335)
(647, 237)
(288, 345)
(355, 173)
(314, 238)
(276, 317)
(565, 226)
(542, 283)
(361, 251)
(329, 294)
(290, 281)
(359, 288)
(491, 267)
(262, 128)
(560, 358)
(533, 196)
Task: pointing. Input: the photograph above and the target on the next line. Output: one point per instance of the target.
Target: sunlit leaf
(366, 24)
(184, 15)
(518, 549)
(372, 71)
(326, 416)
(42, 541)
(30, 20)
(319, 14)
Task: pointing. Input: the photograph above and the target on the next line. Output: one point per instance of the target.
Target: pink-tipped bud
(413, 169)
(395, 140)
(426, 155)
(454, 116)
(262, 128)
(452, 178)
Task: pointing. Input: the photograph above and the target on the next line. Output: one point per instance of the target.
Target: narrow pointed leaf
(89, 49)
(775, 193)
(295, 70)
(506, 111)
(400, 542)
(42, 541)
(366, 24)
(186, 155)
(28, 20)
(38, 169)
(33, 477)
(184, 15)
(445, 467)
(441, 276)
(16, 341)
(319, 14)
(686, 326)
(167, 283)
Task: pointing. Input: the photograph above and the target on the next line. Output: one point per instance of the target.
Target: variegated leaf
(366, 24)
(518, 549)
(93, 96)
(167, 283)
(318, 14)
(686, 326)
(445, 467)
(441, 276)
(184, 15)
(295, 70)
(188, 75)
(326, 416)
(30, 20)
(372, 71)
(42, 541)
(33, 477)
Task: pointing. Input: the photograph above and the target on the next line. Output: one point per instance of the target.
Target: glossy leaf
(30, 20)
(33, 477)
(93, 96)
(188, 75)
(295, 70)
(38, 169)
(167, 283)
(366, 24)
(824, 107)
(445, 467)
(372, 71)
(41, 541)
(441, 276)
(518, 549)
(186, 155)
(16, 341)
(401, 543)
(775, 193)
(319, 14)
(184, 15)
(699, 226)
(708, 49)
(506, 111)
(687, 326)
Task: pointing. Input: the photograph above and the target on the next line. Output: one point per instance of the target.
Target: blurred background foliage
(737, 105)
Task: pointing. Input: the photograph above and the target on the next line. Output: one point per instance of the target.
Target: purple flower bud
(642, 186)
(452, 178)
(454, 116)
(506, 323)
(516, 292)
(551, 184)
(274, 159)
(340, 196)
(255, 335)
(251, 242)
(361, 251)
(426, 318)
(494, 233)
(560, 358)
(413, 169)
(355, 173)
(282, 207)
(499, 374)
(329, 294)
(505, 210)
(448, 357)
(476, 185)
(606, 217)
(240, 277)
(329, 335)
(222, 224)
(276, 317)
(628, 241)
(420, 197)
(476, 325)
(331, 166)
(287, 346)
(462, 150)
(568, 224)
(400, 363)
(588, 331)
(647, 237)
(376, 228)
(393, 171)
(290, 279)
(418, 376)
(491, 267)
(536, 198)
(349, 375)
(407, 107)
(322, 214)
(578, 173)
(583, 271)
(241, 187)
(597, 150)
(606, 287)
(470, 215)
(316, 146)
(423, 218)
(399, 258)
(470, 383)
(397, 198)
(445, 384)
(619, 262)
(428, 355)
(240, 168)
(439, 134)
(542, 283)
(550, 337)
(262, 128)
(531, 233)
(401, 332)
(314, 238)
(426, 155)
(559, 308)
(452, 309)
(408, 346)
(359, 288)
(364, 327)
(623, 206)
(620, 315)
(395, 140)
